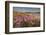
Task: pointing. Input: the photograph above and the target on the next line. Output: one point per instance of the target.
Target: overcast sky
(26, 9)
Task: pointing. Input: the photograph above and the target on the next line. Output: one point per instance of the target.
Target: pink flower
(19, 19)
(27, 18)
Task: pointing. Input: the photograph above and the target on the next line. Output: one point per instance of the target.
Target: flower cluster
(25, 20)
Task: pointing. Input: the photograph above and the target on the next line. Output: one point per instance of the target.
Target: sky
(26, 9)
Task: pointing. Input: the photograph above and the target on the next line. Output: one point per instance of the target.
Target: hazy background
(26, 9)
